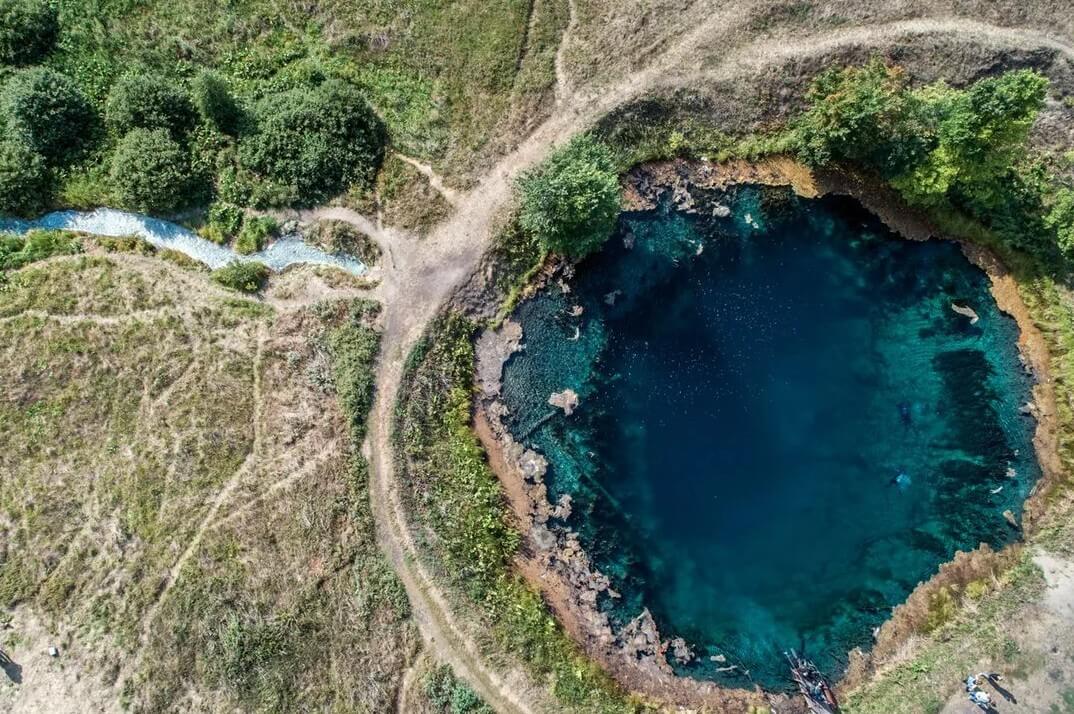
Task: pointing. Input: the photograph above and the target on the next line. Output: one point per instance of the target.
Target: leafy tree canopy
(146, 101)
(28, 30)
(24, 180)
(312, 143)
(214, 103)
(865, 115)
(149, 172)
(45, 111)
(571, 201)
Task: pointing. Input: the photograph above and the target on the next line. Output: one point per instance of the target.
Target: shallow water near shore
(783, 424)
(280, 254)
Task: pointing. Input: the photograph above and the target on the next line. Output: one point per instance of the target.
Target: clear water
(109, 222)
(783, 427)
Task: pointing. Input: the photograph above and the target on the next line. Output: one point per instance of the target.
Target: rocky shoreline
(553, 560)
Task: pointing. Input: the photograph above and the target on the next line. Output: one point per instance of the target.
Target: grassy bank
(452, 492)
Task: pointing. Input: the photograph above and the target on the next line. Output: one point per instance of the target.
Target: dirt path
(435, 180)
(424, 274)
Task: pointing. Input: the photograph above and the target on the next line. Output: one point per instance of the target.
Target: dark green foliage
(254, 233)
(24, 180)
(981, 135)
(214, 103)
(450, 695)
(225, 221)
(947, 150)
(353, 347)
(17, 251)
(28, 30)
(47, 113)
(865, 115)
(311, 144)
(1060, 218)
(149, 172)
(147, 101)
(571, 201)
(245, 276)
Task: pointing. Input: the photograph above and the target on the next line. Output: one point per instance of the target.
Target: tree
(571, 201)
(214, 103)
(28, 30)
(46, 112)
(312, 143)
(981, 135)
(865, 115)
(145, 101)
(24, 180)
(149, 171)
(1060, 218)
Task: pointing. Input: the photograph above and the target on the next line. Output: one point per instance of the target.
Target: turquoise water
(783, 425)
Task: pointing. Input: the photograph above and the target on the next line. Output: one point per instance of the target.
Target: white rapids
(281, 253)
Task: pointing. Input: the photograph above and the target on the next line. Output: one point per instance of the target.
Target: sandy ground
(1044, 631)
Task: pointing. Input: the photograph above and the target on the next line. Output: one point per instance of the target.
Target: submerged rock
(966, 312)
(567, 400)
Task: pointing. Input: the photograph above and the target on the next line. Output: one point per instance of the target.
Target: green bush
(47, 113)
(1060, 218)
(571, 201)
(865, 115)
(214, 103)
(28, 30)
(254, 233)
(146, 101)
(16, 251)
(312, 143)
(24, 180)
(149, 172)
(245, 276)
(225, 220)
(951, 151)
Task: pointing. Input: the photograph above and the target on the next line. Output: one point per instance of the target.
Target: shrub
(24, 180)
(865, 115)
(341, 237)
(1060, 218)
(28, 30)
(571, 201)
(312, 143)
(46, 112)
(254, 233)
(149, 172)
(16, 251)
(245, 276)
(145, 101)
(227, 217)
(214, 103)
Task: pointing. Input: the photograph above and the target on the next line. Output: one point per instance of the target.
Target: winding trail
(425, 274)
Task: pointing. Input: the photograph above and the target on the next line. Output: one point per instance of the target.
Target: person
(971, 682)
(981, 699)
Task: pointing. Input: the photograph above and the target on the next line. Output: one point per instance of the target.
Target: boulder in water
(567, 400)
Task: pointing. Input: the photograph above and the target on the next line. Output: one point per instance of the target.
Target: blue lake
(783, 424)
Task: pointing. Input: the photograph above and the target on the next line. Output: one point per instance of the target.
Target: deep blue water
(784, 426)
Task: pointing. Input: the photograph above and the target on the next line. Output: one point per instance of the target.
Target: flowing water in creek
(783, 424)
(109, 222)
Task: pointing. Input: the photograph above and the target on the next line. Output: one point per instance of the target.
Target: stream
(280, 254)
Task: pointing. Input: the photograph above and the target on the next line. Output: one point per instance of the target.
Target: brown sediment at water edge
(554, 562)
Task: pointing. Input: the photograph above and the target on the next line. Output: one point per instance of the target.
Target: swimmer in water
(905, 414)
(901, 479)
